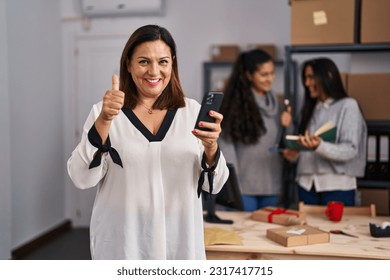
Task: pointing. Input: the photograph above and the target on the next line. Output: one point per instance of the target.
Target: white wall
(35, 117)
(5, 181)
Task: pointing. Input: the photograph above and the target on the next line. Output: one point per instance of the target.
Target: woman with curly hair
(252, 124)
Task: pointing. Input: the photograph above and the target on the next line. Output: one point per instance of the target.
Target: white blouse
(149, 208)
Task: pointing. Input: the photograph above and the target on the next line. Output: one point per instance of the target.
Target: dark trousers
(322, 198)
(254, 202)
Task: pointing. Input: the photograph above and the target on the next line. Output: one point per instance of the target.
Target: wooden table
(257, 246)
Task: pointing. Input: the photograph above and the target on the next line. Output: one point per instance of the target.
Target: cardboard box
(268, 48)
(279, 216)
(316, 22)
(375, 21)
(287, 236)
(224, 52)
(379, 197)
(372, 92)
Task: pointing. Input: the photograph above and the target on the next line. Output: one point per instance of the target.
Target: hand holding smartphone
(211, 101)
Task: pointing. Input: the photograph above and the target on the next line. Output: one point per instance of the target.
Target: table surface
(257, 245)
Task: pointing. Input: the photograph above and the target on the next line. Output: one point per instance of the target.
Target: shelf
(362, 183)
(277, 62)
(338, 48)
(218, 64)
(382, 127)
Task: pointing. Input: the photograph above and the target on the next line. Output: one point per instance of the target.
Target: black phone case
(211, 101)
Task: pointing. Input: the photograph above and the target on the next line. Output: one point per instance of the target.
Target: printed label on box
(319, 18)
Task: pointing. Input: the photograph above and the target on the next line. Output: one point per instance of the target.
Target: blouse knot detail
(210, 173)
(96, 141)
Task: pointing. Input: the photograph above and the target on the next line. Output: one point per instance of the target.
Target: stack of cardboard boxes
(334, 22)
(316, 22)
(295, 231)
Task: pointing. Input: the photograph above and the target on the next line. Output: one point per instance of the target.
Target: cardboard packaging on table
(279, 216)
(285, 237)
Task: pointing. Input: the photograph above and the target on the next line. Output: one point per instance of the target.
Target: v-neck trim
(162, 131)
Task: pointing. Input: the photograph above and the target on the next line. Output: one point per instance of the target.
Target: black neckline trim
(166, 124)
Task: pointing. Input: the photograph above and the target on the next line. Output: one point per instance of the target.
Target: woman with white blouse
(140, 148)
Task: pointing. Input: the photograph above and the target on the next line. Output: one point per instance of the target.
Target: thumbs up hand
(113, 101)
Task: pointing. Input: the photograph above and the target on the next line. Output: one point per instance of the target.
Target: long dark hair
(328, 79)
(242, 121)
(173, 95)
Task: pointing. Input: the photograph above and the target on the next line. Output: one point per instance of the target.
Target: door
(97, 59)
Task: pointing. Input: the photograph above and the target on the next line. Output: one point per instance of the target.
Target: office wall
(33, 37)
(5, 181)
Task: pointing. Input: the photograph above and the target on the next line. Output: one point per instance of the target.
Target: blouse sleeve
(349, 131)
(88, 163)
(217, 174)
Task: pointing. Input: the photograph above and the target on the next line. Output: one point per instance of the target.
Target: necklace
(150, 111)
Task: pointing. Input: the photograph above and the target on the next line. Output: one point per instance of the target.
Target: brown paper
(217, 236)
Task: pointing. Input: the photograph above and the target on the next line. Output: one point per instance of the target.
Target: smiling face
(263, 78)
(312, 85)
(150, 68)
(310, 82)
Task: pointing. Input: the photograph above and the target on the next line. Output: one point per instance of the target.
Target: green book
(327, 132)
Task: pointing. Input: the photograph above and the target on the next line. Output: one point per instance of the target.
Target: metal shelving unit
(374, 127)
(208, 67)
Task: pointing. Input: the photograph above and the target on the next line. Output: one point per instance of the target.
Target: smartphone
(211, 101)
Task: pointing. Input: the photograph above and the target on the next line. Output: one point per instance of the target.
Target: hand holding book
(326, 132)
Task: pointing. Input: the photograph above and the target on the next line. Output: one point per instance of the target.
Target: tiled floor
(72, 245)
